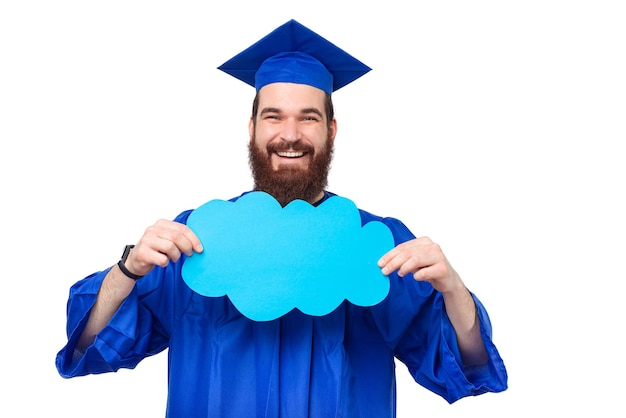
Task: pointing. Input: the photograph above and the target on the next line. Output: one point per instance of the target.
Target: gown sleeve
(140, 327)
(413, 322)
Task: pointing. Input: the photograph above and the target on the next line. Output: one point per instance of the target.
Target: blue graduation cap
(292, 53)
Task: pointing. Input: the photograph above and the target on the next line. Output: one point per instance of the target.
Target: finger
(394, 262)
(413, 260)
(436, 274)
(144, 257)
(196, 245)
(169, 248)
(391, 254)
(181, 235)
(424, 274)
(188, 241)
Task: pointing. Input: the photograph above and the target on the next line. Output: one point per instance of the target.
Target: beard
(289, 183)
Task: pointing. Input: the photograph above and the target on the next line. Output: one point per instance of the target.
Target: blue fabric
(222, 364)
(294, 67)
(294, 53)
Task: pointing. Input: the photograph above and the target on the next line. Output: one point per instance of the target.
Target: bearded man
(223, 364)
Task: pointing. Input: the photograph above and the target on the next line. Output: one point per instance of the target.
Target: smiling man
(223, 364)
(291, 145)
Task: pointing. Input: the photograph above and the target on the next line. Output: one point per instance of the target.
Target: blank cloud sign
(270, 260)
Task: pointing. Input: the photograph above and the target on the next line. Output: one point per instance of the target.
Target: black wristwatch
(122, 266)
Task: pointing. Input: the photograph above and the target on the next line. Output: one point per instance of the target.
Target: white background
(496, 128)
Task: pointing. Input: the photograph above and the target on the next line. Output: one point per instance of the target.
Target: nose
(290, 131)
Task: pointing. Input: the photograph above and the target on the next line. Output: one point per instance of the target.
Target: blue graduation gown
(222, 364)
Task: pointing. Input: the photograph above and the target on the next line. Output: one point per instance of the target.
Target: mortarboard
(295, 54)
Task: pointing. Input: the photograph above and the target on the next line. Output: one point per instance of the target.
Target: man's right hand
(164, 241)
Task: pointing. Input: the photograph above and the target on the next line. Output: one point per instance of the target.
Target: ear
(332, 131)
(251, 128)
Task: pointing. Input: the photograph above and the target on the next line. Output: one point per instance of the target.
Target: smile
(290, 154)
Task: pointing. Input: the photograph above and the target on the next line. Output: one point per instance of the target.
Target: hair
(328, 108)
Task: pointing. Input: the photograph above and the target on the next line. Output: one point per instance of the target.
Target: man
(341, 364)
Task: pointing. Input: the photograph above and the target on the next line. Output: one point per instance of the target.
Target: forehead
(291, 96)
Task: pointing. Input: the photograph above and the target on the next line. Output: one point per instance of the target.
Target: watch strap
(121, 264)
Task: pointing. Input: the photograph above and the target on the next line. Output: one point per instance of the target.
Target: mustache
(298, 146)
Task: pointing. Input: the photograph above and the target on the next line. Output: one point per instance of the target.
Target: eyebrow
(304, 111)
(312, 110)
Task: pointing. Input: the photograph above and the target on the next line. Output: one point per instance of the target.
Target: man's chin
(290, 166)
(288, 170)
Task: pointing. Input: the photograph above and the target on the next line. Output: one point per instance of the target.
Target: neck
(317, 199)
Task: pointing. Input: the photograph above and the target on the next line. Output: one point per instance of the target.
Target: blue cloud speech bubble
(269, 259)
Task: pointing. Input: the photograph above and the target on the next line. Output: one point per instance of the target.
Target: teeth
(291, 154)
